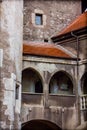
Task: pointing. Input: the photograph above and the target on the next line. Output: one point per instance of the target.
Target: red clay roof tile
(44, 49)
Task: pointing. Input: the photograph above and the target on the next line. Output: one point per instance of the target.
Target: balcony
(83, 102)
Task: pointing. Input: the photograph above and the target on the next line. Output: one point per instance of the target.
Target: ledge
(64, 95)
(32, 93)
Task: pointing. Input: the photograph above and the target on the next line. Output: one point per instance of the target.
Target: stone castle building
(43, 64)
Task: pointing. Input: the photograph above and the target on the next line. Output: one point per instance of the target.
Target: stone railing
(83, 102)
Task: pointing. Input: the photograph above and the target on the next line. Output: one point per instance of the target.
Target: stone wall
(61, 109)
(57, 14)
(47, 106)
(11, 32)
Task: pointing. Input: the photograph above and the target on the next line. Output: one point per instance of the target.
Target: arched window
(31, 81)
(60, 83)
(83, 97)
(84, 83)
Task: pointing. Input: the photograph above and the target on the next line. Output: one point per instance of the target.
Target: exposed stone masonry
(58, 14)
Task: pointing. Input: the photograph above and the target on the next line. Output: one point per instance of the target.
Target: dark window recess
(38, 19)
(60, 85)
(45, 40)
(84, 5)
(17, 92)
(84, 83)
(38, 87)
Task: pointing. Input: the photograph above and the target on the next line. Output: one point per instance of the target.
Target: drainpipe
(77, 95)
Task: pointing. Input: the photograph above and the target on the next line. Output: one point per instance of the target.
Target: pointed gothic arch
(31, 81)
(61, 83)
(84, 83)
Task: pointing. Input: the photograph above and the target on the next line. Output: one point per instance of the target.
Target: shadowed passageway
(40, 125)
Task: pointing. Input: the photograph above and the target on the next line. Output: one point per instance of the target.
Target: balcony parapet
(83, 102)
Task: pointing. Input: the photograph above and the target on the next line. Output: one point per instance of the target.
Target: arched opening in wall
(61, 83)
(40, 125)
(31, 81)
(83, 97)
(84, 84)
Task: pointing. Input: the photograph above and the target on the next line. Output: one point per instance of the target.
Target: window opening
(31, 82)
(45, 40)
(38, 87)
(60, 84)
(38, 19)
(17, 92)
(84, 84)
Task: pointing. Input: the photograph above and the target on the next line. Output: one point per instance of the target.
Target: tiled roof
(44, 49)
(79, 23)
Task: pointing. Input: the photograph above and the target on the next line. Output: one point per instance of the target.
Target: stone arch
(61, 83)
(84, 83)
(40, 125)
(32, 81)
(83, 97)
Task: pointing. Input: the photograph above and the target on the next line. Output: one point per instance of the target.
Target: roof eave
(66, 58)
(68, 35)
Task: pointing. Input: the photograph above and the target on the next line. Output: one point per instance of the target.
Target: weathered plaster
(11, 33)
